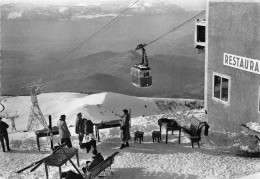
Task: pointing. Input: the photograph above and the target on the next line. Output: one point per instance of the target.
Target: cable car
(141, 73)
(141, 76)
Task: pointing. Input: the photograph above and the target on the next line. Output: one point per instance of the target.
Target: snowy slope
(97, 107)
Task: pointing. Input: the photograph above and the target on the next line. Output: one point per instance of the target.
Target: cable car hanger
(144, 56)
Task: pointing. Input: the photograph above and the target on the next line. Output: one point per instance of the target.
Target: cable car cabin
(141, 76)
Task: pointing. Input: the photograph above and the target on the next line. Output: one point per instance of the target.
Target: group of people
(85, 127)
(82, 127)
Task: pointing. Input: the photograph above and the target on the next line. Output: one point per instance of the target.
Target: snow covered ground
(254, 126)
(222, 155)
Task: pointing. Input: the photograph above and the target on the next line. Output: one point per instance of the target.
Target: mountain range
(29, 11)
(173, 76)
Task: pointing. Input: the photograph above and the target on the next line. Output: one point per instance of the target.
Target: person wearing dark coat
(89, 129)
(79, 127)
(96, 159)
(125, 129)
(64, 131)
(4, 135)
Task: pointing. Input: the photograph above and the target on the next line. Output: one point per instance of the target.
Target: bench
(195, 129)
(101, 167)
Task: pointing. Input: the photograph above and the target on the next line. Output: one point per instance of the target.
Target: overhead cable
(102, 28)
(175, 28)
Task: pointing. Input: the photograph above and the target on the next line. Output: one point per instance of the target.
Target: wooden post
(46, 170)
(38, 142)
(77, 155)
(130, 118)
(60, 172)
(98, 135)
(179, 135)
(50, 128)
(96, 130)
(166, 133)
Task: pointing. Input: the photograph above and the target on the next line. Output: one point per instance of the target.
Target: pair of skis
(35, 165)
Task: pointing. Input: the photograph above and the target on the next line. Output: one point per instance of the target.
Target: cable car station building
(232, 62)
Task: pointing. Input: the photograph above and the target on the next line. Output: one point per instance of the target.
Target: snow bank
(97, 107)
(254, 126)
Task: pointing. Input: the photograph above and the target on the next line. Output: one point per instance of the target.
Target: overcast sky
(186, 4)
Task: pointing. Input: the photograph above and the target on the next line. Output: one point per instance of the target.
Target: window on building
(200, 33)
(221, 87)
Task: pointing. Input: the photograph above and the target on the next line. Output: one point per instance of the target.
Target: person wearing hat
(4, 135)
(64, 131)
(125, 129)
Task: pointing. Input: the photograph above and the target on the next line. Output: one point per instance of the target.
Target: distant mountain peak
(31, 11)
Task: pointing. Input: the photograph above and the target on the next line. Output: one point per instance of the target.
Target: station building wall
(233, 31)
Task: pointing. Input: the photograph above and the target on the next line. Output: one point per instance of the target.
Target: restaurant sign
(242, 63)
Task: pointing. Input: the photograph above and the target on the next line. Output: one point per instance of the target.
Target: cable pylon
(36, 117)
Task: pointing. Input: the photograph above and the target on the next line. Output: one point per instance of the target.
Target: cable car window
(146, 73)
(141, 73)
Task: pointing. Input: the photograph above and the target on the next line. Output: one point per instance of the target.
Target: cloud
(186, 4)
(93, 16)
(14, 15)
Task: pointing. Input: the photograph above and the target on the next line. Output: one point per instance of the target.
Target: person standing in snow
(64, 131)
(125, 129)
(79, 127)
(89, 129)
(4, 135)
